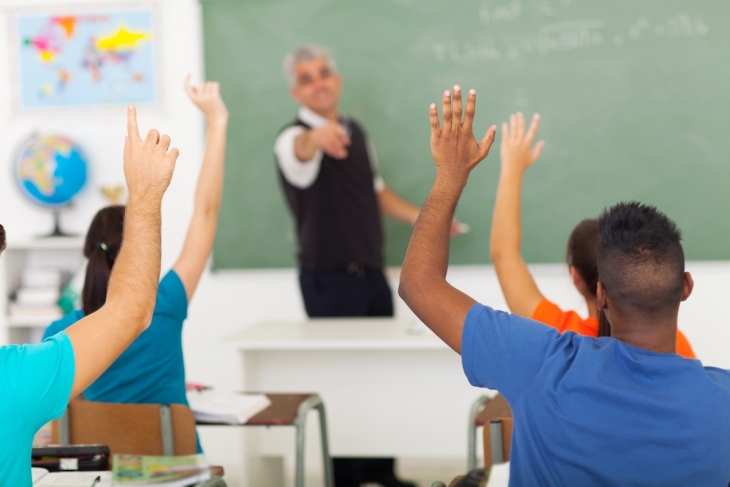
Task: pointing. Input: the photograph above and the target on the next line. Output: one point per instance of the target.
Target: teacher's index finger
(132, 128)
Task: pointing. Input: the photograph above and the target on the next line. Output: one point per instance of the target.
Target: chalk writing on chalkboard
(563, 36)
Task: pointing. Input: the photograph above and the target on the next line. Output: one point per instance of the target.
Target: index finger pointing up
(132, 129)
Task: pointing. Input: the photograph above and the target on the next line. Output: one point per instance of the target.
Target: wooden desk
(387, 390)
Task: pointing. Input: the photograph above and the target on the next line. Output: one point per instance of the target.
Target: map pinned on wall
(88, 58)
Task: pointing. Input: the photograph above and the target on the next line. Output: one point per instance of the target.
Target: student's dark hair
(2, 239)
(101, 248)
(640, 260)
(582, 253)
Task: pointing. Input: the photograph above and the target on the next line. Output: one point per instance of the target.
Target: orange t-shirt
(549, 314)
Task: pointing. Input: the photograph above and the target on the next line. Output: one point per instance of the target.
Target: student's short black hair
(640, 259)
(2, 239)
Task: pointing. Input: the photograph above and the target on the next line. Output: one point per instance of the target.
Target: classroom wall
(230, 300)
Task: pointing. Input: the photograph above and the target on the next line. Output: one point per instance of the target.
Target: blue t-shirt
(35, 386)
(597, 411)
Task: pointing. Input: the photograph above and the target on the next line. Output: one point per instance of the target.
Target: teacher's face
(317, 86)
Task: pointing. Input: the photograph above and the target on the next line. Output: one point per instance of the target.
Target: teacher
(329, 174)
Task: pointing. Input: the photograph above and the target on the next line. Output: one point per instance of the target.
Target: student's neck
(656, 336)
(592, 304)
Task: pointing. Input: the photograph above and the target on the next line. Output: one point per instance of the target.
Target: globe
(50, 170)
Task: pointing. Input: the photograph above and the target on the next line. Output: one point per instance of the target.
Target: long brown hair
(583, 255)
(101, 248)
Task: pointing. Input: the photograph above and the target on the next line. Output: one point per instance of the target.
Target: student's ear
(689, 284)
(578, 281)
(601, 299)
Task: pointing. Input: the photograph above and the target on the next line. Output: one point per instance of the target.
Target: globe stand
(57, 232)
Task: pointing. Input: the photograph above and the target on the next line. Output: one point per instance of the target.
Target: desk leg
(471, 460)
(314, 402)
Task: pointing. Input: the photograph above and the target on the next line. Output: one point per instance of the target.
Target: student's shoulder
(171, 296)
(720, 376)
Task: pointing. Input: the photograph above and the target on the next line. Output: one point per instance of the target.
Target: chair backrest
(497, 441)
(139, 429)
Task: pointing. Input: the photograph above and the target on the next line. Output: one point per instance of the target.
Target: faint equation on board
(557, 36)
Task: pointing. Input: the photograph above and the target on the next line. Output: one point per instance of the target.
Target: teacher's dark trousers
(351, 292)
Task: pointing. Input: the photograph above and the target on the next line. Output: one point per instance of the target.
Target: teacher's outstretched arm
(423, 285)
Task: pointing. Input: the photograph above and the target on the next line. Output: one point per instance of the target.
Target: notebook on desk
(42, 478)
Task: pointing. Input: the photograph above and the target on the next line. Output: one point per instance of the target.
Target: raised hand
(332, 140)
(454, 148)
(207, 97)
(148, 163)
(517, 152)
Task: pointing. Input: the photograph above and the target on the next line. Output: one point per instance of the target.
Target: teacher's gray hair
(306, 52)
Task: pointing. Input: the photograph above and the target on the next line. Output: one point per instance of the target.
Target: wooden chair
(138, 429)
(482, 411)
(497, 441)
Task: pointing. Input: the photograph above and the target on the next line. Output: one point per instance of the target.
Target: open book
(165, 471)
(210, 406)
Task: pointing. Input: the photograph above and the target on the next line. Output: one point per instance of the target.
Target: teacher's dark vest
(337, 217)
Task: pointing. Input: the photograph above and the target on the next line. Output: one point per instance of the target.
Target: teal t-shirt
(151, 370)
(35, 386)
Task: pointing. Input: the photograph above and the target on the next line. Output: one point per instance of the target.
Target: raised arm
(423, 284)
(201, 232)
(101, 337)
(517, 154)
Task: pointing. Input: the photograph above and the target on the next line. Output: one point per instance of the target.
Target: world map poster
(97, 57)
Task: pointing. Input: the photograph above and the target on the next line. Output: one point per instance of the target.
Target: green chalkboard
(634, 97)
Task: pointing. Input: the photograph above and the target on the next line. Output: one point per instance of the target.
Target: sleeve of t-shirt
(505, 352)
(40, 378)
(300, 174)
(171, 297)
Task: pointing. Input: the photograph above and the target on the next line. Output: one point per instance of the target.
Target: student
(519, 288)
(36, 381)
(624, 410)
(152, 368)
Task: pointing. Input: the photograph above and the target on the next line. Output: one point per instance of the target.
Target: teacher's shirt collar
(316, 120)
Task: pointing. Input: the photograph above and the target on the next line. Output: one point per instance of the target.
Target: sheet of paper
(75, 479)
(499, 476)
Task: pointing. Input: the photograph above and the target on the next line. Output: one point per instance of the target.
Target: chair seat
(497, 407)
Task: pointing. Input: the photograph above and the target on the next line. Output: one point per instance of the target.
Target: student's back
(151, 370)
(598, 411)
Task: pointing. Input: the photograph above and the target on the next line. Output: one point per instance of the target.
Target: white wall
(228, 301)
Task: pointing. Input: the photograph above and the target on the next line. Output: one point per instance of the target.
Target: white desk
(387, 391)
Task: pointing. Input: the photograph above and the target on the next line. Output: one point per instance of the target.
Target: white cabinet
(62, 253)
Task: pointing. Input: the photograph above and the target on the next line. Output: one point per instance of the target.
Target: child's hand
(207, 96)
(517, 152)
(453, 147)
